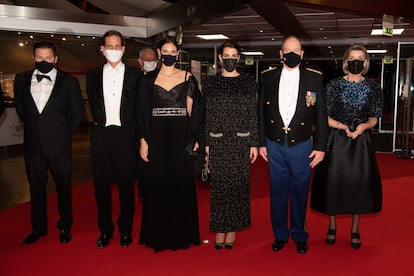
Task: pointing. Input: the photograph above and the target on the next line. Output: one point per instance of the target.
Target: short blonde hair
(356, 47)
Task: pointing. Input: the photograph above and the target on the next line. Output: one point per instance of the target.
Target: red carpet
(387, 239)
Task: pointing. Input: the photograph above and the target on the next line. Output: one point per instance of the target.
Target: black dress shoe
(65, 236)
(278, 245)
(103, 240)
(302, 247)
(32, 238)
(125, 240)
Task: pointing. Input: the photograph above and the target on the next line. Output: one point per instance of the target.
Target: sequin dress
(170, 214)
(348, 181)
(231, 128)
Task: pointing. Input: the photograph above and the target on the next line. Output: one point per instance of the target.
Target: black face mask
(44, 66)
(355, 66)
(168, 60)
(230, 64)
(291, 59)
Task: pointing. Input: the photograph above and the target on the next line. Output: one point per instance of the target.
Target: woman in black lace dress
(348, 179)
(231, 130)
(170, 117)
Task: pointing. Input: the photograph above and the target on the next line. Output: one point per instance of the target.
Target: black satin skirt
(347, 181)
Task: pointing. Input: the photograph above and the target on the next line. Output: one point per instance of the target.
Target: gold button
(272, 121)
(278, 139)
(267, 102)
(302, 124)
(293, 140)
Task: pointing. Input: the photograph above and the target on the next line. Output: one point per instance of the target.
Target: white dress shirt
(113, 79)
(42, 90)
(288, 94)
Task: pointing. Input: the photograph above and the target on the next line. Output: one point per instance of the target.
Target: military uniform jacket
(310, 118)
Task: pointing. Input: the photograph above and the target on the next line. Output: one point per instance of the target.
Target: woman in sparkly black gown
(170, 117)
(348, 179)
(231, 130)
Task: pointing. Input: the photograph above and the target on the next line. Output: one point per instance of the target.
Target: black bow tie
(40, 77)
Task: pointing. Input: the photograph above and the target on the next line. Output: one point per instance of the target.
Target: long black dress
(170, 215)
(347, 181)
(231, 128)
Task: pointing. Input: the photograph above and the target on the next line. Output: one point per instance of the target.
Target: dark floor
(14, 188)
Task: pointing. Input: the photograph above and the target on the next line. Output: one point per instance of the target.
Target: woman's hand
(263, 153)
(196, 146)
(143, 149)
(253, 154)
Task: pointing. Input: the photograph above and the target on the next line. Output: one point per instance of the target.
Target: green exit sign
(388, 31)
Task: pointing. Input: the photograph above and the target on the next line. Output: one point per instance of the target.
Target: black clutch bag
(189, 148)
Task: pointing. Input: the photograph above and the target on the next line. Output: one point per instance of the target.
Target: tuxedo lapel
(28, 92)
(56, 87)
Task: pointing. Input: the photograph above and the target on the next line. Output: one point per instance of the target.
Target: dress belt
(169, 111)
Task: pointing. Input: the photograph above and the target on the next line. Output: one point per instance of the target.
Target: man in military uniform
(293, 127)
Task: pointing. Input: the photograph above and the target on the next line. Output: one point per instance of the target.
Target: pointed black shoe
(331, 232)
(65, 236)
(302, 247)
(125, 240)
(103, 240)
(32, 238)
(278, 245)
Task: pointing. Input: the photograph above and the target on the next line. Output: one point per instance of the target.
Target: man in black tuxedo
(293, 127)
(113, 93)
(49, 102)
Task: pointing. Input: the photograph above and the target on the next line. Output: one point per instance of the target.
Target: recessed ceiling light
(380, 31)
(253, 53)
(376, 51)
(213, 37)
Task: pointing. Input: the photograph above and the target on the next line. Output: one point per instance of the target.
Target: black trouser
(113, 160)
(61, 169)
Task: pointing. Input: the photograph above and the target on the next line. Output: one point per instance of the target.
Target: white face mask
(149, 66)
(113, 55)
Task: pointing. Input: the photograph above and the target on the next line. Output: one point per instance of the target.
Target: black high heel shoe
(331, 232)
(356, 236)
(218, 245)
(228, 245)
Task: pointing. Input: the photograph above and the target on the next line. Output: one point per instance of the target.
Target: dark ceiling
(326, 27)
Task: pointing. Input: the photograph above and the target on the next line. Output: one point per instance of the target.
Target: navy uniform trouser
(289, 184)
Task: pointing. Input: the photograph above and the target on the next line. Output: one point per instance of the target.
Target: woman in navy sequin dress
(232, 138)
(348, 179)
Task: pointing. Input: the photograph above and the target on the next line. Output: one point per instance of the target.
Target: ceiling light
(377, 51)
(380, 31)
(212, 37)
(253, 53)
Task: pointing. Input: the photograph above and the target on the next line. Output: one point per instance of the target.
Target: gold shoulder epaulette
(315, 71)
(267, 70)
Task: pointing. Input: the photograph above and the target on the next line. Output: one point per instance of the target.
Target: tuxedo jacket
(51, 131)
(129, 98)
(310, 118)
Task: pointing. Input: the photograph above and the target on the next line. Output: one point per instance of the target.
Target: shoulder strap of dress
(185, 77)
